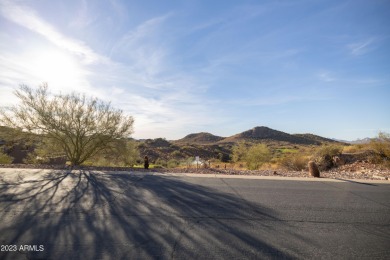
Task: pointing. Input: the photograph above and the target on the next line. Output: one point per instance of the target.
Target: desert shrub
(44, 149)
(294, 162)
(176, 154)
(223, 157)
(324, 155)
(381, 148)
(172, 163)
(329, 150)
(381, 145)
(161, 162)
(239, 151)
(356, 148)
(123, 153)
(256, 156)
(5, 158)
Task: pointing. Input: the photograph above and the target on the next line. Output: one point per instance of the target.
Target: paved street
(47, 214)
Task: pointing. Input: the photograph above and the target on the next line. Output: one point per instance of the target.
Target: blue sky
(223, 67)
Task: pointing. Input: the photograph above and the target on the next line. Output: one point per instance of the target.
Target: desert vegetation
(5, 158)
(381, 148)
(76, 130)
(254, 156)
(71, 125)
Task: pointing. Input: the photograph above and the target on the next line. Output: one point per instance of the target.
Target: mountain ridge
(263, 133)
(202, 137)
(207, 145)
(256, 134)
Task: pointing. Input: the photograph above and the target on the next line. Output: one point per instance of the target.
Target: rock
(338, 161)
(379, 177)
(313, 169)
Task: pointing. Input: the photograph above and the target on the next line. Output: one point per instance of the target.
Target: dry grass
(357, 148)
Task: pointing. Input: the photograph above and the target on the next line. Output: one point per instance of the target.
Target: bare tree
(81, 127)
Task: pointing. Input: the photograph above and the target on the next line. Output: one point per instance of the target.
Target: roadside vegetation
(5, 158)
(243, 156)
(72, 125)
(75, 130)
(296, 157)
(381, 148)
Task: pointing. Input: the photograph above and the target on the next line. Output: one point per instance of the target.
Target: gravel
(357, 170)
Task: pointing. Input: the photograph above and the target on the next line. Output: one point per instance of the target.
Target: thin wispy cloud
(361, 47)
(326, 76)
(27, 17)
(215, 66)
(159, 92)
(142, 51)
(83, 16)
(269, 101)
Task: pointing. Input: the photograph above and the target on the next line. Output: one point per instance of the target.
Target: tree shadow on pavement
(91, 215)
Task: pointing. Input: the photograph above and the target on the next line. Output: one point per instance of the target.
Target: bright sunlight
(55, 67)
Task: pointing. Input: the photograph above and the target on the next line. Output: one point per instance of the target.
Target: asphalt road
(88, 215)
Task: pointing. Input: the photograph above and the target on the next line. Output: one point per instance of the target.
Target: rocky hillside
(316, 139)
(200, 138)
(210, 146)
(177, 150)
(263, 134)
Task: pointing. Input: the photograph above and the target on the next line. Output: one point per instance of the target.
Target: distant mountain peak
(256, 134)
(202, 137)
(263, 133)
(361, 141)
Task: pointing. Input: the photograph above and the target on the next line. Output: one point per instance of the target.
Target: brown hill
(316, 138)
(164, 150)
(200, 138)
(263, 133)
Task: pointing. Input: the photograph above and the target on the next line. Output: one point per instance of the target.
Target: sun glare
(56, 68)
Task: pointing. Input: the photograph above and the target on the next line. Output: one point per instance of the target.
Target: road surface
(107, 215)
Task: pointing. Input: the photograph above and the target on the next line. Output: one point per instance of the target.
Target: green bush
(172, 163)
(239, 151)
(161, 162)
(256, 156)
(5, 158)
(329, 150)
(176, 154)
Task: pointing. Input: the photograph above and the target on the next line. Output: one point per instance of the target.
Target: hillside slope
(262, 133)
(200, 138)
(316, 138)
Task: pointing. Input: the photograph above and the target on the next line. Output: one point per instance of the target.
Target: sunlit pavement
(53, 214)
